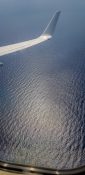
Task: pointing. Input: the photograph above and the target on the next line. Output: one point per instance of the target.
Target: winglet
(52, 24)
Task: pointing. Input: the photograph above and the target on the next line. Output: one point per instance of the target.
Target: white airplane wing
(47, 34)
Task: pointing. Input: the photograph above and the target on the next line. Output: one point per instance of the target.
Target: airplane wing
(47, 34)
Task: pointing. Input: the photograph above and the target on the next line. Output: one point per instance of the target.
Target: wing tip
(52, 24)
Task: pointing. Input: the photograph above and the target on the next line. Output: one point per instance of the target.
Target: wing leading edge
(47, 34)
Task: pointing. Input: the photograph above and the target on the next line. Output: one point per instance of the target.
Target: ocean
(42, 88)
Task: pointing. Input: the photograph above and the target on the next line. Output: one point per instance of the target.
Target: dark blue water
(42, 89)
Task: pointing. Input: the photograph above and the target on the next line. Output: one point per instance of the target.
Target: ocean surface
(42, 88)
